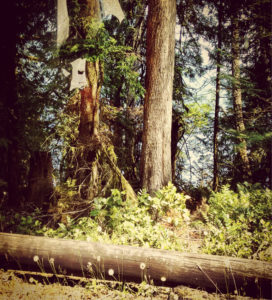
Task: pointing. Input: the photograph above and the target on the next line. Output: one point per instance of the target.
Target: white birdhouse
(79, 79)
(109, 7)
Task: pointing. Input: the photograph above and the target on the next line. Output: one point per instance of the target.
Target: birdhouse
(79, 79)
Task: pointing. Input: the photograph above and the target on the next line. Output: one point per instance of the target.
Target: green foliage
(118, 59)
(240, 223)
(251, 137)
(236, 224)
(124, 61)
(197, 116)
(98, 44)
(24, 224)
(166, 200)
(114, 220)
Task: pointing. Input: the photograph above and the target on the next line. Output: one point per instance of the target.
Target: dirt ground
(28, 287)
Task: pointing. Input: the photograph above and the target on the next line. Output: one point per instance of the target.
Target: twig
(209, 278)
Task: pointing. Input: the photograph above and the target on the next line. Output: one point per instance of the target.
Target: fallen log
(134, 264)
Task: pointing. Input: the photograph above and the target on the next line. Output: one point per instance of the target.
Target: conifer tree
(236, 88)
(217, 99)
(156, 151)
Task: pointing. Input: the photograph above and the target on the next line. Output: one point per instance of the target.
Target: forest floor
(29, 286)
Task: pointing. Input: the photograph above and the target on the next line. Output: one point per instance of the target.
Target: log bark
(126, 263)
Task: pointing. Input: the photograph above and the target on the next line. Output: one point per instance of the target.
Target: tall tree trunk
(156, 150)
(217, 98)
(88, 139)
(237, 94)
(97, 172)
(9, 148)
(89, 131)
(89, 105)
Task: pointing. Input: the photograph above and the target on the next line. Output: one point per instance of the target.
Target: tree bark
(93, 176)
(165, 268)
(237, 93)
(217, 99)
(88, 138)
(89, 105)
(156, 150)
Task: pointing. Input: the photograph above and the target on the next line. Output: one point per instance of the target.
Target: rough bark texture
(40, 182)
(167, 268)
(237, 93)
(88, 140)
(217, 98)
(96, 170)
(89, 105)
(156, 153)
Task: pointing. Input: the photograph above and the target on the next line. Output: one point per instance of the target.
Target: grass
(28, 286)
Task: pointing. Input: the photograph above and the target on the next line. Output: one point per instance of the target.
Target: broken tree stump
(134, 264)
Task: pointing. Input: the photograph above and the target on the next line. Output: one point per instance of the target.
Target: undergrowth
(236, 224)
(240, 224)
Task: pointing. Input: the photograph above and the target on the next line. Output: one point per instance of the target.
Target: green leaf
(94, 212)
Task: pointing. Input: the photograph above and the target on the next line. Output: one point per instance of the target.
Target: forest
(145, 123)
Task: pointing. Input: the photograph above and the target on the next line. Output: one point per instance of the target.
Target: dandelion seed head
(36, 258)
(163, 278)
(98, 258)
(51, 260)
(111, 272)
(142, 266)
